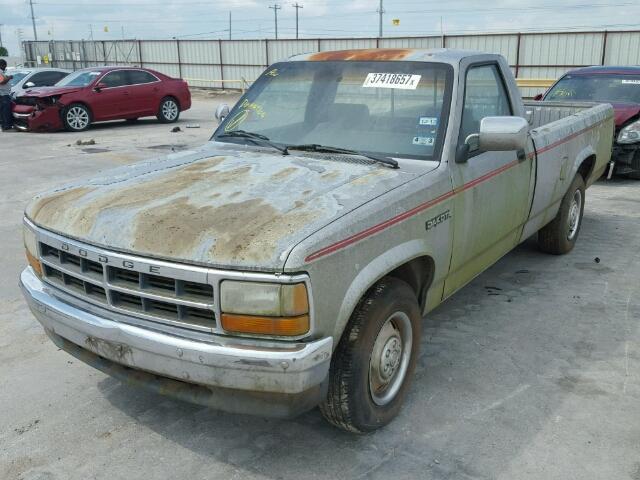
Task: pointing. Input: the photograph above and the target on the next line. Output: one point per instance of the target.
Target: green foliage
(4, 52)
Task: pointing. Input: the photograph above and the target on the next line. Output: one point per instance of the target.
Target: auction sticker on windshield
(402, 81)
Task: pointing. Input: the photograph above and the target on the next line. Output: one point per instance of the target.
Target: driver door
(492, 201)
(109, 102)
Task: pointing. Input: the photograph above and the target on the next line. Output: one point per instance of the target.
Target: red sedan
(102, 94)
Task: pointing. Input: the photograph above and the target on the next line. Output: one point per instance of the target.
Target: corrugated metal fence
(207, 63)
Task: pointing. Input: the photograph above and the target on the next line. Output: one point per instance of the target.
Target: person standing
(6, 116)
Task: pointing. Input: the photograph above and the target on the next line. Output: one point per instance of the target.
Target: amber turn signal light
(35, 263)
(273, 326)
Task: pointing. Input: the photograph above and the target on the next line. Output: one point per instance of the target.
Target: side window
(59, 76)
(137, 77)
(115, 79)
(45, 79)
(484, 96)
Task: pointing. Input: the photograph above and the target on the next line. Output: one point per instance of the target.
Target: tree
(3, 52)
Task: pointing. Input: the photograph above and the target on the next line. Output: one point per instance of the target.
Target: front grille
(25, 101)
(175, 301)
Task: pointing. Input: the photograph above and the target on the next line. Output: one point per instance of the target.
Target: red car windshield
(81, 78)
(597, 88)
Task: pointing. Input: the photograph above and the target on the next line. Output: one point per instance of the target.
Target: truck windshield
(597, 88)
(396, 109)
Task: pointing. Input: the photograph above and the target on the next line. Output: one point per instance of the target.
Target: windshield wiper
(314, 147)
(256, 138)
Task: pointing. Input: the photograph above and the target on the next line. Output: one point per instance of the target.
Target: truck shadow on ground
(500, 361)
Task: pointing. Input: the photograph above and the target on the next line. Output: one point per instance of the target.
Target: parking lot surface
(530, 372)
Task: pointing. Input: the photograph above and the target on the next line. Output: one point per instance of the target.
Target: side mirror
(503, 134)
(497, 134)
(99, 87)
(29, 85)
(538, 97)
(222, 112)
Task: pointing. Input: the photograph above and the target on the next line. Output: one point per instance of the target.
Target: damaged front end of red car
(38, 114)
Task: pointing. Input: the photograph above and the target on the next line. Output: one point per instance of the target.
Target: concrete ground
(530, 372)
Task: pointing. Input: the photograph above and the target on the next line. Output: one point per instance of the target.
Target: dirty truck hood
(215, 206)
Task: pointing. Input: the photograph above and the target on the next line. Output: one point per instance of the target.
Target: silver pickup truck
(289, 261)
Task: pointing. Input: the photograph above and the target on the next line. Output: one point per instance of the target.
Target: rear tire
(560, 236)
(169, 111)
(372, 366)
(76, 118)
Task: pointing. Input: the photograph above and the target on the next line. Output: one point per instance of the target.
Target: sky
(153, 19)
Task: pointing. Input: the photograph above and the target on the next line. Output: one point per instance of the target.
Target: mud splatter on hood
(216, 206)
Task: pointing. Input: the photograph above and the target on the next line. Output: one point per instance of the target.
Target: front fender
(374, 271)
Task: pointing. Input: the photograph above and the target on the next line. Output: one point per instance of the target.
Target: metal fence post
(140, 53)
(604, 48)
(221, 64)
(518, 54)
(179, 59)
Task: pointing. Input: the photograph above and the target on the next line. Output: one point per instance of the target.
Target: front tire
(169, 111)
(560, 236)
(76, 118)
(372, 366)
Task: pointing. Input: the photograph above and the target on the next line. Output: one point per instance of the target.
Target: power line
(297, 7)
(275, 7)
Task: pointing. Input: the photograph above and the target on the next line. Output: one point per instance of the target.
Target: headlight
(31, 249)
(264, 308)
(630, 133)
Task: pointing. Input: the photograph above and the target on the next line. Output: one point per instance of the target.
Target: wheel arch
(411, 262)
(77, 102)
(172, 97)
(585, 165)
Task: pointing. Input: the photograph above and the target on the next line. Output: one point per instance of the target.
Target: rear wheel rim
(77, 118)
(170, 110)
(390, 358)
(574, 214)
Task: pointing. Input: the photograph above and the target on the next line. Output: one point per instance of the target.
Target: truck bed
(563, 135)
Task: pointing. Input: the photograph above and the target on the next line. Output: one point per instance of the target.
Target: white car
(26, 78)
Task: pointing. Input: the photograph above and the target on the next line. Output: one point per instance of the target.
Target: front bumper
(44, 120)
(627, 158)
(259, 378)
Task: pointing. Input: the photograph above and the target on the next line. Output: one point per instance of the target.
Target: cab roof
(444, 55)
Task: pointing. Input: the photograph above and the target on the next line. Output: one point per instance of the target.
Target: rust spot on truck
(248, 230)
(50, 207)
(75, 210)
(284, 173)
(375, 54)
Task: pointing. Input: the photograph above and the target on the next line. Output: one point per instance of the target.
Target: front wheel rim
(77, 118)
(390, 358)
(574, 214)
(170, 110)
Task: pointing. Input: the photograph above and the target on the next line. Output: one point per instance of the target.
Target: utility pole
(380, 12)
(297, 7)
(229, 24)
(91, 32)
(1, 25)
(33, 21)
(275, 7)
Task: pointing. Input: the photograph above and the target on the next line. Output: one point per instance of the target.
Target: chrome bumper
(264, 378)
